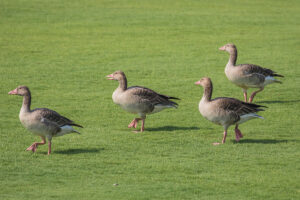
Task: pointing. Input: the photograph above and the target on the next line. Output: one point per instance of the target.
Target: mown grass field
(62, 50)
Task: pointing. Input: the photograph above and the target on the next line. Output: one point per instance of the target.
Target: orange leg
(223, 140)
(143, 125)
(245, 95)
(134, 122)
(254, 93)
(238, 133)
(49, 146)
(34, 146)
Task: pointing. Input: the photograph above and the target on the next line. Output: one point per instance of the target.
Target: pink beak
(197, 83)
(223, 48)
(15, 91)
(110, 77)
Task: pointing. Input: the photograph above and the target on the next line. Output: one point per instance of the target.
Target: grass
(63, 50)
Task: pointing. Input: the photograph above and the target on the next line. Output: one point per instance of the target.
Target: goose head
(230, 48)
(21, 91)
(204, 82)
(118, 75)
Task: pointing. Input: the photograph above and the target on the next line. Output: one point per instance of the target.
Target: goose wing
(237, 106)
(148, 96)
(51, 116)
(255, 69)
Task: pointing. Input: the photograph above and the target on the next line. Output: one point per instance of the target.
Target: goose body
(225, 111)
(139, 100)
(42, 122)
(45, 123)
(247, 75)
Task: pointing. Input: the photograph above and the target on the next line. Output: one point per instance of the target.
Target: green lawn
(62, 50)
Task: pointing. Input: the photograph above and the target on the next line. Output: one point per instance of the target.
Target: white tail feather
(159, 107)
(269, 80)
(66, 130)
(249, 116)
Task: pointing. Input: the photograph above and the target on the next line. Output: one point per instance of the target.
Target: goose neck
(123, 83)
(232, 58)
(26, 103)
(207, 92)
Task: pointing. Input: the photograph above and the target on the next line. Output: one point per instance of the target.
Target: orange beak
(223, 48)
(13, 92)
(197, 83)
(110, 77)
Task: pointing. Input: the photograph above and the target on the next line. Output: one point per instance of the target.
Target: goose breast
(234, 74)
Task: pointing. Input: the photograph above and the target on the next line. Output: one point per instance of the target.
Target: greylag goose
(225, 111)
(139, 100)
(43, 122)
(247, 75)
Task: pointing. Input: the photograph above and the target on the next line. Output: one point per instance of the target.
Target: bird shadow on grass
(173, 128)
(262, 141)
(79, 151)
(272, 102)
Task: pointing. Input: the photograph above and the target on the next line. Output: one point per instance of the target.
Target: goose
(139, 100)
(247, 75)
(42, 122)
(225, 111)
